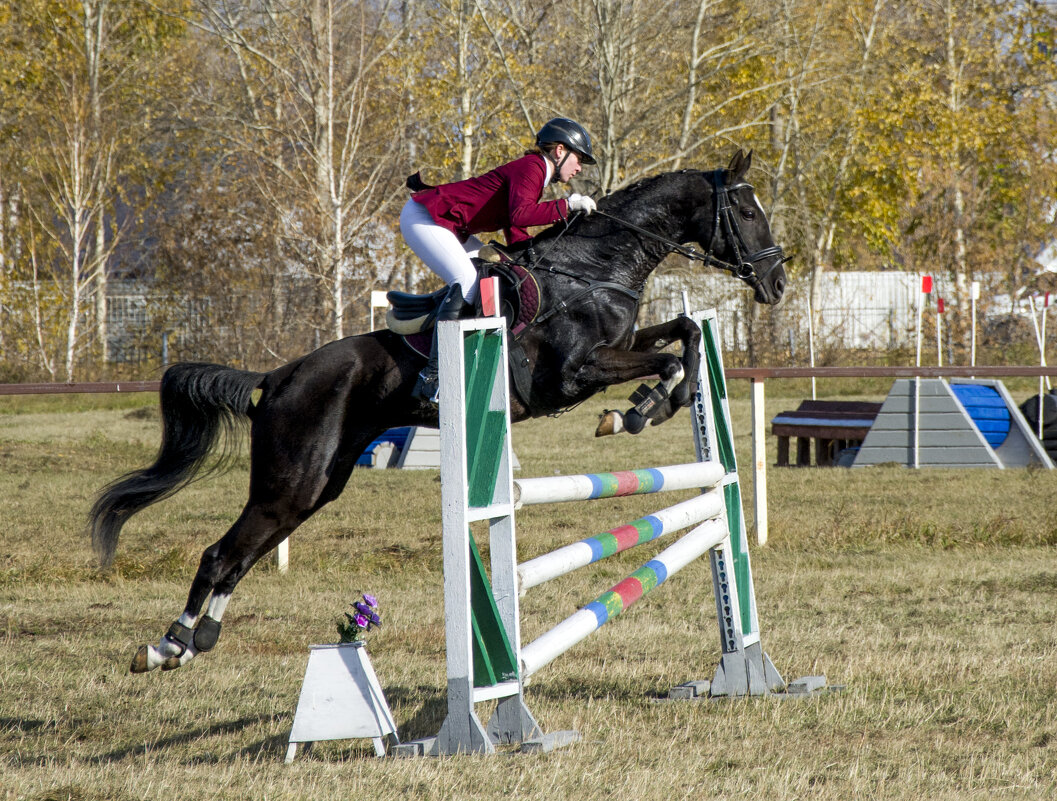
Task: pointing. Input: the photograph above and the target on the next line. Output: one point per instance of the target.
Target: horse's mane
(618, 203)
(632, 192)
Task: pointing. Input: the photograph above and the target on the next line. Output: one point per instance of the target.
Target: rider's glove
(581, 203)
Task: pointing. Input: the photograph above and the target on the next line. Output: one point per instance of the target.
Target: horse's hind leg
(222, 566)
(262, 525)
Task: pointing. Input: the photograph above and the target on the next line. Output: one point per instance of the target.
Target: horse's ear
(739, 165)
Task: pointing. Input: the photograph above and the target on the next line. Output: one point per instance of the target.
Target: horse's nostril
(779, 286)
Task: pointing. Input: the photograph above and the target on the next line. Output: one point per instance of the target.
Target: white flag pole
(974, 295)
(926, 288)
(811, 342)
(939, 329)
(1042, 357)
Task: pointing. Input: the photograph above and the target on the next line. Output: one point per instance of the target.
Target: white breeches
(440, 249)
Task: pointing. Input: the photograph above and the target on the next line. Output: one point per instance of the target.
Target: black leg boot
(428, 385)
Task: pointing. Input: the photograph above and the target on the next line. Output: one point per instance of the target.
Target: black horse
(312, 418)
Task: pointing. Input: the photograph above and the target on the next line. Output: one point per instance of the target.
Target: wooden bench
(834, 425)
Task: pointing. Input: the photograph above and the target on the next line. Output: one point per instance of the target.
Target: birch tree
(316, 114)
(86, 64)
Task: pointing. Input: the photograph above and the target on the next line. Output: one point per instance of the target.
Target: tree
(84, 68)
(313, 112)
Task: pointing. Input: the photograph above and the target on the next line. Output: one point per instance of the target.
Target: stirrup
(427, 388)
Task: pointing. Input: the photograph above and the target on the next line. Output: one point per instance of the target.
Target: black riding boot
(451, 308)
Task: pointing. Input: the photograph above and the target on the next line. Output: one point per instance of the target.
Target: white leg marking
(154, 658)
(188, 620)
(168, 648)
(672, 382)
(217, 605)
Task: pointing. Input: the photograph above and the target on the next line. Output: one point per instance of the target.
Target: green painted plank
(485, 429)
(742, 570)
(493, 656)
(483, 469)
(717, 385)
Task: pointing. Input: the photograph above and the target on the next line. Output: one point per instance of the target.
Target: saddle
(519, 299)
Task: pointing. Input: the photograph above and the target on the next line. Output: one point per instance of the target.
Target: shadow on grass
(191, 735)
(563, 690)
(429, 705)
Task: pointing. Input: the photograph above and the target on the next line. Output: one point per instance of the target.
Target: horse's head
(738, 236)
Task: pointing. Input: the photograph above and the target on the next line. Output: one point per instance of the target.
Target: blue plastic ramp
(987, 410)
(397, 436)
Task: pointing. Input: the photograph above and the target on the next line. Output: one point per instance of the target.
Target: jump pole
(607, 606)
(593, 549)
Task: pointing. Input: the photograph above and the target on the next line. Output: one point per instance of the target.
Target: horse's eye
(748, 213)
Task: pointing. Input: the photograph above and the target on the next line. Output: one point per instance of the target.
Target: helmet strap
(558, 165)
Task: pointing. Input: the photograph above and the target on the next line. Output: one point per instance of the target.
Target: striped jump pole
(590, 486)
(608, 605)
(593, 549)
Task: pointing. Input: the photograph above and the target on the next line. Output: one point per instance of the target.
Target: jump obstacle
(485, 656)
(932, 422)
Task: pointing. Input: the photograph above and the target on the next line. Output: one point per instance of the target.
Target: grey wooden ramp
(947, 435)
(421, 451)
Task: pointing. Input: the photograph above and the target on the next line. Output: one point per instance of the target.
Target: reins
(685, 250)
(724, 218)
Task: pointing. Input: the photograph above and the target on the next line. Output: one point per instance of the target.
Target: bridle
(724, 220)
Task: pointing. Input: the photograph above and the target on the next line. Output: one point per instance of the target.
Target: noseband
(726, 221)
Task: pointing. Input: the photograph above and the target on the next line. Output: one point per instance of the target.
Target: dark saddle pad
(519, 296)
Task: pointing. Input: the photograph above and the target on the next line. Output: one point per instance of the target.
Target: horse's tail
(199, 403)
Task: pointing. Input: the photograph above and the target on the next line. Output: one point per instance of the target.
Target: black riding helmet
(569, 133)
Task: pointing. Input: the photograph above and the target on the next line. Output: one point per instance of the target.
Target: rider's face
(571, 165)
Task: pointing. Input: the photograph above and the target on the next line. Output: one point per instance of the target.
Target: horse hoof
(609, 422)
(171, 663)
(140, 662)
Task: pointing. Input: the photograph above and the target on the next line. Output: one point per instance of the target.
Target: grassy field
(930, 596)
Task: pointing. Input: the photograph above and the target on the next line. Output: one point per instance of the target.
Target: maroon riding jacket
(506, 198)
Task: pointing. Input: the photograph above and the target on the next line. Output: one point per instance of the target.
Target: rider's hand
(582, 203)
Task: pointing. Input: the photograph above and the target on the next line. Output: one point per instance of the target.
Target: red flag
(926, 285)
(939, 305)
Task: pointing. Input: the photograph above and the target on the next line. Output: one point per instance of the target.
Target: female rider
(439, 223)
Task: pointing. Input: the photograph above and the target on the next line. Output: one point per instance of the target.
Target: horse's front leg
(609, 366)
(657, 337)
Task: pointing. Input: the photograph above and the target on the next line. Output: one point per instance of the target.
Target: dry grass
(930, 595)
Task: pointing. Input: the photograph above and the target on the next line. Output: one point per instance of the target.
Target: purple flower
(370, 599)
(362, 622)
(363, 608)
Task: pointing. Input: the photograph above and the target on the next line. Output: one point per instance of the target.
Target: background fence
(870, 311)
